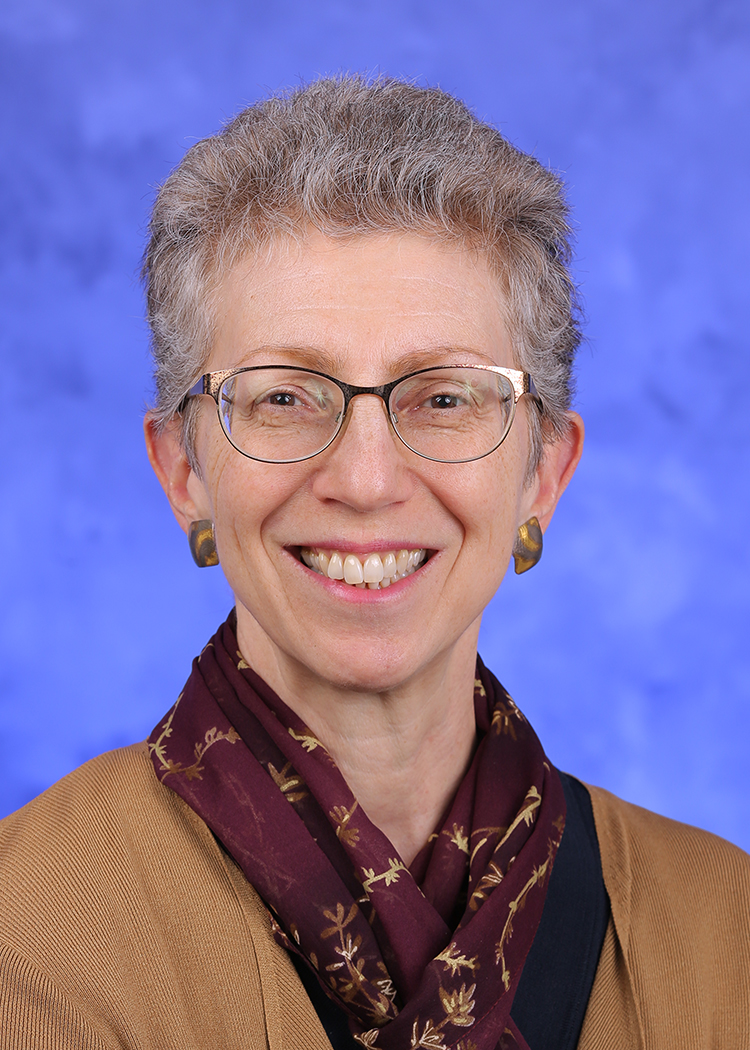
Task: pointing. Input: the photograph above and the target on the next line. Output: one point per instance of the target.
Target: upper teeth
(373, 570)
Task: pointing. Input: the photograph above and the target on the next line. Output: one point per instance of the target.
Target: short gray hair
(350, 156)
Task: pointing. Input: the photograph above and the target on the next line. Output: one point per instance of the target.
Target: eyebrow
(316, 358)
(333, 363)
(440, 355)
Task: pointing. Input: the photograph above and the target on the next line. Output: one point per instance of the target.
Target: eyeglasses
(284, 414)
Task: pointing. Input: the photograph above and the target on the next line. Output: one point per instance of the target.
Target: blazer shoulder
(680, 901)
(634, 840)
(107, 825)
(103, 797)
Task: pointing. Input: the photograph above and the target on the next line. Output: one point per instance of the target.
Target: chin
(367, 667)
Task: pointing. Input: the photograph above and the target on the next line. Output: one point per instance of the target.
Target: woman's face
(365, 311)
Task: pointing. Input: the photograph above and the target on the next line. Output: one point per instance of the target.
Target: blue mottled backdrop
(628, 646)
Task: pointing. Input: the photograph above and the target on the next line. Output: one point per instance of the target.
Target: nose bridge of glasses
(363, 436)
(364, 393)
(350, 391)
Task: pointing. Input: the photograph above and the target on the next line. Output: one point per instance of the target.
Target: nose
(366, 467)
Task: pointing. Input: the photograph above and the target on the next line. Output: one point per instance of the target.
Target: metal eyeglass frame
(211, 383)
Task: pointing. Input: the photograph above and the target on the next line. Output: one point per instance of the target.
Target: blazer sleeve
(34, 1013)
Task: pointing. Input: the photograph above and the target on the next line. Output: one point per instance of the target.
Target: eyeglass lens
(450, 414)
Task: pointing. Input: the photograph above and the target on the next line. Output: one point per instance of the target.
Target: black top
(558, 975)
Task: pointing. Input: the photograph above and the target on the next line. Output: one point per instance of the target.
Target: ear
(184, 489)
(559, 461)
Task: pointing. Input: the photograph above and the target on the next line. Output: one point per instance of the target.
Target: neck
(404, 750)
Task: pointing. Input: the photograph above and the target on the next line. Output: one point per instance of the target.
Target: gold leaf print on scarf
(340, 920)
(430, 1039)
(504, 717)
(308, 741)
(292, 787)
(158, 748)
(341, 816)
(455, 962)
(491, 878)
(368, 1038)
(391, 875)
(487, 834)
(458, 1005)
(353, 983)
(527, 813)
(192, 772)
(385, 985)
(535, 879)
(459, 838)
(494, 875)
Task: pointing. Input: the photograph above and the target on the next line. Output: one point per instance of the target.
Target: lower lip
(362, 595)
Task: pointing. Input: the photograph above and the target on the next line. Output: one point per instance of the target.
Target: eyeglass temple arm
(529, 387)
(209, 383)
(522, 383)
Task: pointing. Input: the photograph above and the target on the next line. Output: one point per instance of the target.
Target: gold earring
(527, 550)
(203, 543)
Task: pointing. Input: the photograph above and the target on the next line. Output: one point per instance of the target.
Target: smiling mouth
(375, 571)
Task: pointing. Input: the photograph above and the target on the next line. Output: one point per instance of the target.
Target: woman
(344, 832)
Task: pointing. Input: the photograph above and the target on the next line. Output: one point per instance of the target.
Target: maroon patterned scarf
(422, 957)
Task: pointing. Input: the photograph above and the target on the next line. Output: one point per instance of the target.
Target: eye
(282, 399)
(444, 401)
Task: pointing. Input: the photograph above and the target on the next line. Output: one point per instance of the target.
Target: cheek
(485, 497)
(247, 497)
(242, 505)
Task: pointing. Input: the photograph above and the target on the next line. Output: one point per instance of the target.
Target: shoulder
(103, 817)
(120, 916)
(106, 839)
(680, 901)
(645, 856)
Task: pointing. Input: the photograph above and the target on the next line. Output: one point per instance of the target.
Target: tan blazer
(124, 925)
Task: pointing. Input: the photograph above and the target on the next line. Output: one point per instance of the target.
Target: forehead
(373, 300)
